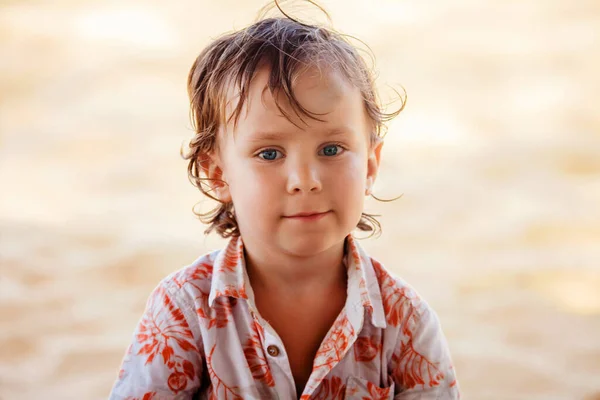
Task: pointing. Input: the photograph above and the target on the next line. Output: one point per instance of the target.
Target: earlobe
(373, 165)
(369, 186)
(221, 188)
(210, 166)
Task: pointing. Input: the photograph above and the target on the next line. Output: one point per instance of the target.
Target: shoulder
(403, 305)
(190, 281)
(420, 361)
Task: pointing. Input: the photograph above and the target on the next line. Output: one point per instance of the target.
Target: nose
(303, 176)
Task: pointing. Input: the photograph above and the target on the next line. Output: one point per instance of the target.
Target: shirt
(201, 336)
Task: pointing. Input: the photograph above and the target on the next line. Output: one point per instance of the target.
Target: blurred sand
(497, 155)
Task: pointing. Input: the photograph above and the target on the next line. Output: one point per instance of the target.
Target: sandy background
(497, 155)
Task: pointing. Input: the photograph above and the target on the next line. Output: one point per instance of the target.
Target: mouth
(307, 216)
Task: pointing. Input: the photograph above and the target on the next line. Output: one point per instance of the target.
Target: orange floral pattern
(255, 355)
(377, 393)
(201, 336)
(159, 334)
(329, 389)
(413, 368)
(366, 349)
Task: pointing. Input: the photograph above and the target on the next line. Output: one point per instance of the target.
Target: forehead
(324, 92)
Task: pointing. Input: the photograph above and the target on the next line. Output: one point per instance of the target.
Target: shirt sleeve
(164, 359)
(421, 365)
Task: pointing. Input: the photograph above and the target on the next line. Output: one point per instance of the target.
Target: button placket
(277, 358)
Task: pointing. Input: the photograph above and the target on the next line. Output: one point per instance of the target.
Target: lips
(307, 215)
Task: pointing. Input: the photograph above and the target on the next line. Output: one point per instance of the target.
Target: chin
(309, 244)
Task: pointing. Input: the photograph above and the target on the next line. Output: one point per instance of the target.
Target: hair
(287, 47)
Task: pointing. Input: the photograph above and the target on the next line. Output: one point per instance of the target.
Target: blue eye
(268, 155)
(331, 150)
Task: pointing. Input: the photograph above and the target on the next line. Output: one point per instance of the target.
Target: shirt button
(273, 351)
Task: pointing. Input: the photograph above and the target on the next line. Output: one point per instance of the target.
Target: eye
(332, 150)
(269, 154)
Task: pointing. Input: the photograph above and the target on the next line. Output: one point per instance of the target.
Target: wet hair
(287, 47)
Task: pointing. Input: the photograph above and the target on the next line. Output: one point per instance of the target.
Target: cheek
(351, 174)
(250, 192)
(347, 184)
(255, 179)
(252, 187)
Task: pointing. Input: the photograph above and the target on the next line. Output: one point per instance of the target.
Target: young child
(288, 141)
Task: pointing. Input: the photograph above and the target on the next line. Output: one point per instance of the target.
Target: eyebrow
(266, 136)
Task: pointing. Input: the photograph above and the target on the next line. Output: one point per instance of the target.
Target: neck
(290, 274)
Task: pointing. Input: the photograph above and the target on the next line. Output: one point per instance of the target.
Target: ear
(211, 166)
(373, 165)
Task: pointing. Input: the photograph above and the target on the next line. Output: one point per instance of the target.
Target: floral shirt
(202, 337)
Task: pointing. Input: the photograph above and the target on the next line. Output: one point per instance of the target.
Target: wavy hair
(287, 47)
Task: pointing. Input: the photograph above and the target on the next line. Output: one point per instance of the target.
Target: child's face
(276, 170)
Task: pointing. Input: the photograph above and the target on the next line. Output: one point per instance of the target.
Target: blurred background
(497, 156)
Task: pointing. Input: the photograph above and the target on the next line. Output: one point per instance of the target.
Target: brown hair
(286, 46)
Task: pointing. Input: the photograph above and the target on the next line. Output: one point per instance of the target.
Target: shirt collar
(363, 287)
(229, 272)
(230, 278)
